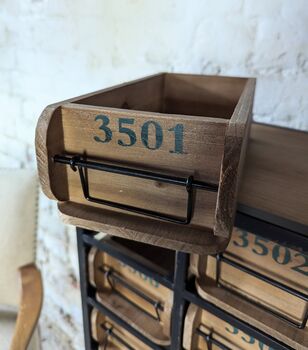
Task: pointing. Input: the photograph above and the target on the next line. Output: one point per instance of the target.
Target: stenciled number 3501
(124, 127)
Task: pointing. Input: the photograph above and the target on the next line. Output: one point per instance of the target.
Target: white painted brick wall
(52, 50)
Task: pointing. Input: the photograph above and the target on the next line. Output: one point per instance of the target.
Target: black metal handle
(210, 340)
(221, 258)
(189, 183)
(112, 278)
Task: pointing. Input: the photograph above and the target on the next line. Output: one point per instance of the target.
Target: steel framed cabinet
(207, 214)
(267, 249)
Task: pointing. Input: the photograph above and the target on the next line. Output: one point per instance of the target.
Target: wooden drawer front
(114, 279)
(281, 264)
(204, 331)
(112, 336)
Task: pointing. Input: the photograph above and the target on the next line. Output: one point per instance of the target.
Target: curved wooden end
(48, 142)
(29, 307)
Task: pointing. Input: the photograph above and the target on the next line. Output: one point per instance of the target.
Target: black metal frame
(184, 293)
(77, 163)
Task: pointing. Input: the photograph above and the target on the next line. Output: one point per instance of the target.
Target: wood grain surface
(279, 263)
(174, 124)
(202, 159)
(276, 171)
(100, 263)
(221, 331)
(236, 139)
(98, 321)
(146, 230)
(142, 322)
(29, 307)
(252, 314)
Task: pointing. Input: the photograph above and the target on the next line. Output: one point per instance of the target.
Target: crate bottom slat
(173, 236)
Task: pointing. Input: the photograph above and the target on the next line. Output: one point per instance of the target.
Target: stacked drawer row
(258, 281)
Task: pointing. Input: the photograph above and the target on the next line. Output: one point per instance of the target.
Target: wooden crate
(204, 331)
(111, 336)
(267, 306)
(135, 297)
(190, 131)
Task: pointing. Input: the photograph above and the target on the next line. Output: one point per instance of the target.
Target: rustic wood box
(261, 282)
(135, 297)
(156, 160)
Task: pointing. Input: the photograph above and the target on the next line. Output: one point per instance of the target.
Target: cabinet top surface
(276, 173)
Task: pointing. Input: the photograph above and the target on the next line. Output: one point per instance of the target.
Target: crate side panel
(144, 94)
(202, 95)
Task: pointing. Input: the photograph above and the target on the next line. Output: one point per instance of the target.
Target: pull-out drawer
(204, 331)
(132, 295)
(160, 157)
(111, 336)
(261, 282)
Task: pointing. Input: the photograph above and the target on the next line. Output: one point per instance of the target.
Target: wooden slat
(143, 94)
(168, 235)
(236, 139)
(202, 95)
(191, 323)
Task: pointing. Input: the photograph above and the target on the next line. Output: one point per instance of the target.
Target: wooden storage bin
(111, 336)
(251, 281)
(204, 331)
(135, 297)
(181, 140)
